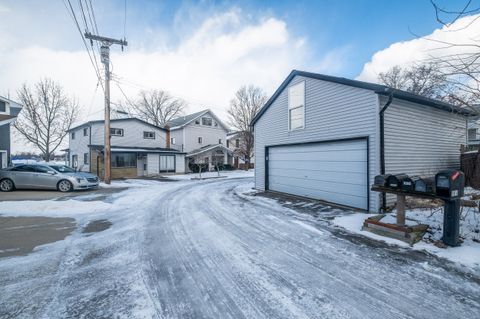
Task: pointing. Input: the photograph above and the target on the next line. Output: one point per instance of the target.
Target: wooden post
(400, 210)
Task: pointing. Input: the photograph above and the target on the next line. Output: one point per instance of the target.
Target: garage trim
(365, 138)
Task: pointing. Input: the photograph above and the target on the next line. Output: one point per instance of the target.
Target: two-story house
(202, 136)
(8, 112)
(138, 148)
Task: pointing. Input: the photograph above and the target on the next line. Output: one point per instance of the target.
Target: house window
(296, 106)
(85, 131)
(124, 160)
(207, 121)
(85, 158)
(237, 142)
(3, 106)
(215, 124)
(472, 134)
(116, 131)
(167, 163)
(149, 135)
(73, 135)
(228, 143)
(199, 140)
(219, 141)
(197, 121)
(172, 140)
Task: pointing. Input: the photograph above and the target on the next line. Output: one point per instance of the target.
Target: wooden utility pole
(105, 58)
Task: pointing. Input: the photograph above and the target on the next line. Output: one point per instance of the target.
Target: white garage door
(333, 171)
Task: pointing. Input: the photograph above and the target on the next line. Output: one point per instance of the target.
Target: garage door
(332, 171)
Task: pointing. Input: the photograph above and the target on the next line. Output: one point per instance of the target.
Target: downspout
(382, 144)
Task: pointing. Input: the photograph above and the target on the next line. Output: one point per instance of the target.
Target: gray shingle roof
(182, 120)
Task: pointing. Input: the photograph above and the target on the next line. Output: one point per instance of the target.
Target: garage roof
(377, 88)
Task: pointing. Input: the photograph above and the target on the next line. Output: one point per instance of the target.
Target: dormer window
(207, 121)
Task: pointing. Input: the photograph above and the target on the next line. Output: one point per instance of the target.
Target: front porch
(209, 157)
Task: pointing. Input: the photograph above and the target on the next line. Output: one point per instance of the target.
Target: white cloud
(465, 30)
(205, 67)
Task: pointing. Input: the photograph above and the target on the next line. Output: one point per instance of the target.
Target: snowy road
(204, 250)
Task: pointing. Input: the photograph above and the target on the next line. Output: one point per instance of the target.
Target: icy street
(209, 249)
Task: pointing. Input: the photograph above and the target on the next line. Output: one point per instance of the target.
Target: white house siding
(153, 164)
(180, 163)
(178, 135)
(132, 134)
(421, 140)
(79, 146)
(332, 111)
(210, 135)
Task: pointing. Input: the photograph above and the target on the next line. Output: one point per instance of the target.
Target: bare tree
(244, 106)
(157, 107)
(462, 67)
(46, 116)
(422, 79)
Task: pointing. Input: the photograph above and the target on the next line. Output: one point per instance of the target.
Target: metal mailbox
(381, 180)
(449, 184)
(408, 183)
(395, 181)
(425, 185)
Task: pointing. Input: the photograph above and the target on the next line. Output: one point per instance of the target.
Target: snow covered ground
(214, 249)
(206, 175)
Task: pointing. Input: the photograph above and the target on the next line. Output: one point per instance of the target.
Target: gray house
(8, 112)
(326, 138)
(203, 136)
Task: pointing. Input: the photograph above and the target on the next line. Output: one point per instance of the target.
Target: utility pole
(105, 59)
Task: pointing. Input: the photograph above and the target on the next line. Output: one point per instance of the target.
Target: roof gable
(187, 119)
(377, 88)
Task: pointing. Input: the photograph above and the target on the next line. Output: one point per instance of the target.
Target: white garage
(334, 171)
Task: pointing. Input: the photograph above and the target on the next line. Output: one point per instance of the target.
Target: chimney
(168, 135)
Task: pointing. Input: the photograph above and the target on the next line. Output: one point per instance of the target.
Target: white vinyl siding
(421, 140)
(79, 147)
(333, 171)
(332, 111)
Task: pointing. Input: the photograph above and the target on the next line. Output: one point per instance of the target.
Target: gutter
(382, 144)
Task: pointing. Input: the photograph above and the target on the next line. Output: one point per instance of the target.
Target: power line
(74, 18)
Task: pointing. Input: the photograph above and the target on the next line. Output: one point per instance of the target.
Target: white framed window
(116, 131)
(73, 135)
(219, 141)
(199, 140)
(149, 135)
(85, 131)
(3, 107)
(197, 121)
(296, 106)
(85, 158)
(207, 121)
(172, 140)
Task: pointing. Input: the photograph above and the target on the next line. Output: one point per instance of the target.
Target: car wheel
(65, 186)
(6, 185)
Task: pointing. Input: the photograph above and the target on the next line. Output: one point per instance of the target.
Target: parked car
(44, 176)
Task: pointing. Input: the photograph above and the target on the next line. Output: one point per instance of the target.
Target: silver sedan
(36, 176)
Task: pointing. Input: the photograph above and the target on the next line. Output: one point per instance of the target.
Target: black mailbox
(408, 183)
(449, 183)
(425, 185)
(395, 181)
(381, 180)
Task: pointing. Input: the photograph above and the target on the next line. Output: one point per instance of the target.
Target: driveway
(204, 249)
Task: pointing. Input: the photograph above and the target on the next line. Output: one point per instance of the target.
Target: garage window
(296, 106)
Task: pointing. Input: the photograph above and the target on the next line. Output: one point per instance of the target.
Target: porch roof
(209, 148)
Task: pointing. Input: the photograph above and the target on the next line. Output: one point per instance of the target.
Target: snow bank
(468, 254)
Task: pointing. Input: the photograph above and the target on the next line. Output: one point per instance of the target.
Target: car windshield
(62, 168)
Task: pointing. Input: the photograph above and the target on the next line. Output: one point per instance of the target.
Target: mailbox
(395, 181)
(425, 185)
(449, 183)
(408, 183)
(381, 180)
